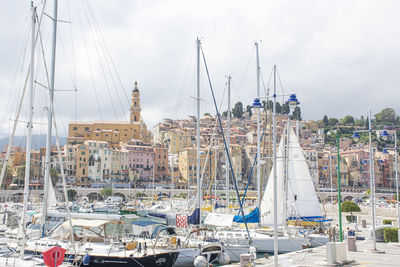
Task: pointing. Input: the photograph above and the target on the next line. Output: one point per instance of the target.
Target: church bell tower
(135, 105)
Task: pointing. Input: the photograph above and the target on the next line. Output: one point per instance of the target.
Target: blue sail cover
(252, 217)
(195, 217)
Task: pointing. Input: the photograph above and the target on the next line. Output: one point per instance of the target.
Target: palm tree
(54, 175)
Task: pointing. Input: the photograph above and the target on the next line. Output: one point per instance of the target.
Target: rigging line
(103, 47)
(106, 63)
(72, 42)
(101, 64)
(109, 55)
(245, 71)
(263, 85)
(280, 83)
(251, 172)
(213, 139)
(223, 137)
(66, 59)
(183, 82)
(17, 79)
(90, 64)
(17, 112)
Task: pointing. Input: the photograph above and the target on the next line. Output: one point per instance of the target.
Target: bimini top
(144, 223)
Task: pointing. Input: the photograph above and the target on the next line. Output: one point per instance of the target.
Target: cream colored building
(112, 132)
(187, 159)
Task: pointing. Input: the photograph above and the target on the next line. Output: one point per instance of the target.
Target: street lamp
(385, 136)
(257, 107)
(292, 102)
(356, 138)
(337, 133)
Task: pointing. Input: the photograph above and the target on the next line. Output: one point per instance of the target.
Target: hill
(38, 141)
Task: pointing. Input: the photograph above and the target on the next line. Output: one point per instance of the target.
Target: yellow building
(82, 163)
(188, 165)
(177, 140)
(112, 132)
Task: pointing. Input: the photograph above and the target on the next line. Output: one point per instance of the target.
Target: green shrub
(351, 218)
(387, 221)
(390, 234)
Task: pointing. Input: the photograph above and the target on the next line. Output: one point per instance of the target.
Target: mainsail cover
(300, 200)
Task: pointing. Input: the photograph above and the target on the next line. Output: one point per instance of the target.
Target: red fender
(49, 256)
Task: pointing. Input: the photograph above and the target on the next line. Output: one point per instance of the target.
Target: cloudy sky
(340, 57)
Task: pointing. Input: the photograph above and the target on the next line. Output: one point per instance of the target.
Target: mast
(228, 139)
(50, 116)
(29, 132)
(286, 177)
(198, 131)
(258, 135)
(275, 189)
(372, 180)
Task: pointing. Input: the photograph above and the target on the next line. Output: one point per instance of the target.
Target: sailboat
(297, 202)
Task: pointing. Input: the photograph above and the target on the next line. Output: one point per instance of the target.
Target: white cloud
(340, 57)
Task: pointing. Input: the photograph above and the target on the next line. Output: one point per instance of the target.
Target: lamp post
(385, 136)
(356, 137)
(257, 107)
(337, 133)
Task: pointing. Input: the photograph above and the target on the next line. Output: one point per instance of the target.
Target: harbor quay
(387, 254)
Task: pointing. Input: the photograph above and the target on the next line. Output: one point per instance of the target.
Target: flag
(181, 221)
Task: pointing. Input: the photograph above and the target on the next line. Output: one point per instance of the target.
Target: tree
(54, 176)
(206, 114)
(248, 109)
(367, 123)
(71, 194)
(325, 121)
(225, 113)
(237, 110)
(350, 206)
(387, 115)
(106, 192)
(297, 113)
(332, 121)
(348, 120)
(285, 109)
(278, 108)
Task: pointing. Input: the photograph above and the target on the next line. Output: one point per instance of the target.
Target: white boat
(297, 201)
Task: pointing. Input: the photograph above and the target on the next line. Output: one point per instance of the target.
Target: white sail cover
(300, 200)
(267, 202)
(217, 219)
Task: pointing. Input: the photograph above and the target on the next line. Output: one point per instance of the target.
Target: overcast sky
(340, 57)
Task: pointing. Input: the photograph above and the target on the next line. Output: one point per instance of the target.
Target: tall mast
(29, 132)
(228, 139)
(258, 134)
(50, 116)
(275, 177)
(198, 131)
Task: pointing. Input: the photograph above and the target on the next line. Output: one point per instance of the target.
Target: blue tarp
(252, 217)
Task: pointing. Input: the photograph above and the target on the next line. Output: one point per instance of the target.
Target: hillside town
(126, 154)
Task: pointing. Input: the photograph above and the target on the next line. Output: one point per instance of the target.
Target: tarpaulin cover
(217, 219)
(252, 217)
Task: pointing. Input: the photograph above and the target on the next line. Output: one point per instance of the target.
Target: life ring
(53, 256)
(172, 240)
